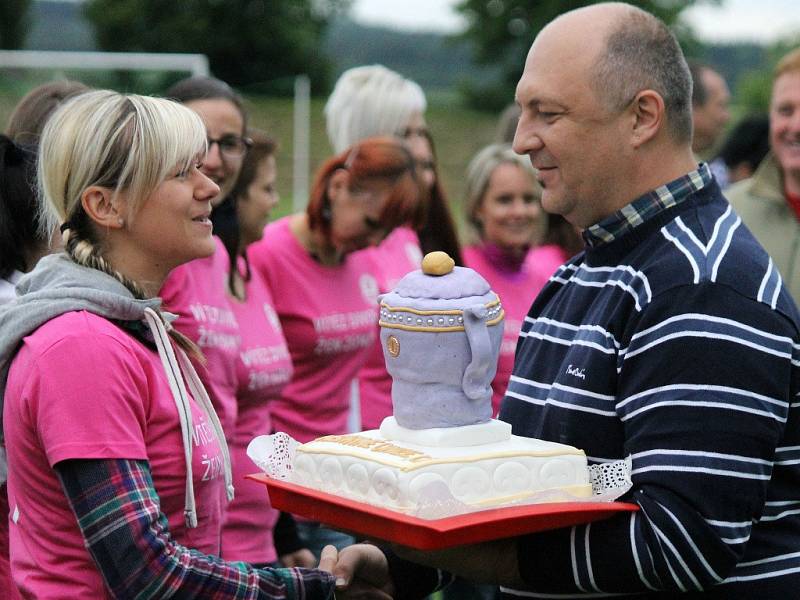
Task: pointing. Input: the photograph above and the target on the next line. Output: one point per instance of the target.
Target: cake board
(378, 523)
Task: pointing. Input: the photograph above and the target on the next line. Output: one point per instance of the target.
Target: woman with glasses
(196, 291)
(263, 366)
(324, 290)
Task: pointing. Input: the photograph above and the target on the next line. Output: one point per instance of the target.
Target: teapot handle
(474, 382)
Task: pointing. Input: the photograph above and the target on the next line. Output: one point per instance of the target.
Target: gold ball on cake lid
(437, 263)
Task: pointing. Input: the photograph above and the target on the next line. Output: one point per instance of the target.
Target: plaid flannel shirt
(131, 545)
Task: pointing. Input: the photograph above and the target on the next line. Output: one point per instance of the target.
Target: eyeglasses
(410, 132)
(231, 146)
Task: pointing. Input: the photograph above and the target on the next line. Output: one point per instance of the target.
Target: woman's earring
(121, 221)
(326, 214)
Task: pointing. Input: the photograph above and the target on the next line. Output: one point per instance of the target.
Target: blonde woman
(505, 222)
(117, 462)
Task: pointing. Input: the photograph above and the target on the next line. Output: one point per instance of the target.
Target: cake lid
(440, 279)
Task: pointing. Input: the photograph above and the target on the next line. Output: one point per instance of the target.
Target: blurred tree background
(500, 32)
(247, 41)
(260, 45)
(14, 22)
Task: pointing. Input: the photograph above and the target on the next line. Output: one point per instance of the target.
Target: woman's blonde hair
(122, 142)
(370, 101)
(479, 172)
(126, 143)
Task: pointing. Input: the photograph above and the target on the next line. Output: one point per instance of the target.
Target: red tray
(432, 534)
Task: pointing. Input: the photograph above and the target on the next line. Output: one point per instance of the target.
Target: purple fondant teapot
(441, 330)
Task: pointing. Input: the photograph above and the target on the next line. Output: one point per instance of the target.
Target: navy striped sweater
(675, 344)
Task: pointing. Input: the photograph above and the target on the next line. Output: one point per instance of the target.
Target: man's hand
(299, 558)
(489, 562)
(362, 573)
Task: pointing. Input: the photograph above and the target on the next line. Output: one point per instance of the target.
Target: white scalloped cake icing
(370, 468)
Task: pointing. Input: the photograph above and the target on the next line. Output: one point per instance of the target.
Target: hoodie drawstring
(176, 370)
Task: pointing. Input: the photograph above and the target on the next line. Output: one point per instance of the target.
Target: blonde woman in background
(506, 222)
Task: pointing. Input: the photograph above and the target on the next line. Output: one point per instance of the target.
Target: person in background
(21, 242)
(669, 342)
(197, 290)
(21, 245)
(769, 201)
(438, 231)
(117, 461)
(745, 147)
(710, 115)
(561, 240)
(506, 222)
(29, 116)
(507, 124)
(710, 112)
(325, 290)
(263, 365)
(373, 100)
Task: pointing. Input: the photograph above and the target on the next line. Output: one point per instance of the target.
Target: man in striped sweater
(670, 340)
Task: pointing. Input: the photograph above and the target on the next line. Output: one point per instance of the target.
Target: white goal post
(196, 64)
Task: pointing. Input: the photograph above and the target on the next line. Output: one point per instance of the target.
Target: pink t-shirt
(328, 316)
(547, 259)
(396, 256)
(264, 368)
(197, 292)
(516, 290)
(82, 388)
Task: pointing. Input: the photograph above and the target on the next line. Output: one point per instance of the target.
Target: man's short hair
(789, 63)
(641, 53)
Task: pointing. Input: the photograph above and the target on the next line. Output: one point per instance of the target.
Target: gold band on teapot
(433, 321)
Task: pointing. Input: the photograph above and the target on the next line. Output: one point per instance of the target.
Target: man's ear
(648, 117)
(97, 204)
(338, 182)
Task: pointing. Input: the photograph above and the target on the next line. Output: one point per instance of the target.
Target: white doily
(610, 480)
(273, 454)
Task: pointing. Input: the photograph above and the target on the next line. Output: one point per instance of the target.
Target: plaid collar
(645, 207)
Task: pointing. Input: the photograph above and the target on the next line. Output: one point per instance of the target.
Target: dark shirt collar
(647, 206)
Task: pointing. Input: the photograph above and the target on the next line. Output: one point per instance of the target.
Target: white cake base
(370, 468)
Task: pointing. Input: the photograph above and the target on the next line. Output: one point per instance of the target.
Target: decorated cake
(441, 330)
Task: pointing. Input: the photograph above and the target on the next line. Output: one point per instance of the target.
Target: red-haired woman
(324, 292)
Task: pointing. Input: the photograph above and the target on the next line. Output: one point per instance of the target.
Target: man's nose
(526, 140)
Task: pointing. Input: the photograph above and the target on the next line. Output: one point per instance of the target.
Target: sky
(735, 20)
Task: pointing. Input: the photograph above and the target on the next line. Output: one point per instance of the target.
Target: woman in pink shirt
(196, 291)
(263, 365)
(325, 292)
(506, 221)
(117, 461)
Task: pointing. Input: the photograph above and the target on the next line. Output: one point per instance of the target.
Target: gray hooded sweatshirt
(58, 285)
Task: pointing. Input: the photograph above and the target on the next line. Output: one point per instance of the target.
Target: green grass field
(458, 134)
